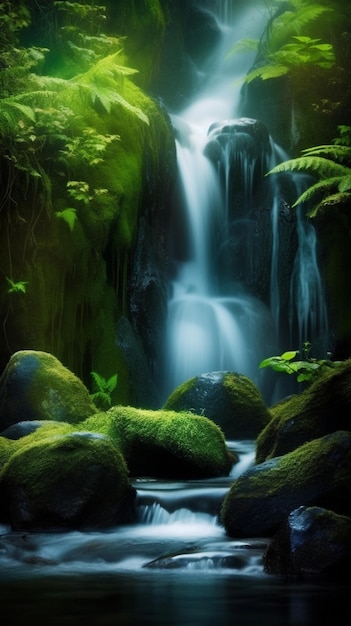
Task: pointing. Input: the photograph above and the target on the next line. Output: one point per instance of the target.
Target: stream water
(176, 566)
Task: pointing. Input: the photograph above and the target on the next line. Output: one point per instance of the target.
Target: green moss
(7, 448)
(164, 443)
(76, 479)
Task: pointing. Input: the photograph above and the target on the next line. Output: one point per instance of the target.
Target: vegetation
(104, 388)
(306, 370)
(331, 165)
(286, 49)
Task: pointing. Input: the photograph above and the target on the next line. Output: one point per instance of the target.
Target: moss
(165, 443)
(75, 479)
(317, 473)
(7, 448)
(322, 408)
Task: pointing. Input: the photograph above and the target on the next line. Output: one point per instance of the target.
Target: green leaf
(15, 287)
(69, 215)
(288, 356)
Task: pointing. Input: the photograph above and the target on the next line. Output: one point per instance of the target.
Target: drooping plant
(331, 166)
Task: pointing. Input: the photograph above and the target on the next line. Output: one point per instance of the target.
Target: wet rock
(313, 542)
(316, 474)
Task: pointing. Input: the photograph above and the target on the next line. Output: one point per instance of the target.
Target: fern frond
(319, 187)
(243, 46)
(11, 107)
(335, 152)
(111, 383)
(100, 82)
(266, 72)
(324, 168)
(335, 199)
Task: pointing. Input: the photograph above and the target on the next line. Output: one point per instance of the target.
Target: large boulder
(36, 386)
(165, 444)
(316, 474)
(229, 399)
(321, 409)
(313, 542)
(75, 480)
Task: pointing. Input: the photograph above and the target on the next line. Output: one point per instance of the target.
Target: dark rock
(316, 474)
(313, 542)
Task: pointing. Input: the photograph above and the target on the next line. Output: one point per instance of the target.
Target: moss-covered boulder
(316, 474)
(165, 444)
(313, 542)
(319, 410)
(76, 480)
(229, 399)
(36, 386)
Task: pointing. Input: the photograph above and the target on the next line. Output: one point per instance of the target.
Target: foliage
(16, 287)
(104, 388)
(331, 164)
(69, 216)
(306, 370)
(286, 48)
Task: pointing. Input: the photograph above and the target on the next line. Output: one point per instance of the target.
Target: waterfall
(220, 317)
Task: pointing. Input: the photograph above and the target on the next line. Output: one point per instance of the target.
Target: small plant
(104, 388)
(16, 287)
(307, 370)
(69, 216)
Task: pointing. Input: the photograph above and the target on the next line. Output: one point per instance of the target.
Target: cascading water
(221, 315)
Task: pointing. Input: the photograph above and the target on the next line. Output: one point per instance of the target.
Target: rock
(312, 542)
(321, 409)
(36, 386)
(240, 135)
(77, 480)
(316, 474)
(164, 443)
(229, 399)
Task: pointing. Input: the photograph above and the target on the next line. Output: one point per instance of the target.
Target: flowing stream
(175, 567)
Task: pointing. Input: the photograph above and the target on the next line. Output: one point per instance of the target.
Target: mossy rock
(316, 474)
(36, 386)
(229, 399)
(165, 444)
(6, 450)
(76, 480)
(322, 408)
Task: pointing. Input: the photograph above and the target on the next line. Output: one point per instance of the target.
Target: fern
(325, 168)
(105, 387)
(334, 174)
(100, 83)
